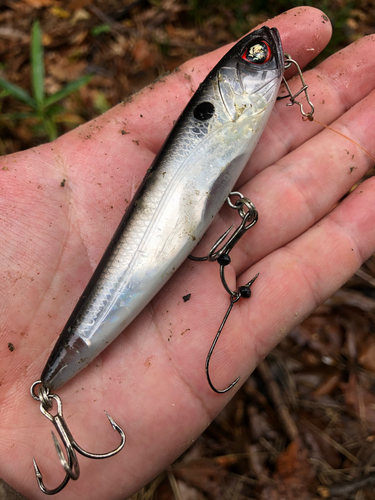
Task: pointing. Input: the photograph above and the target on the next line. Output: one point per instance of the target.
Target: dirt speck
(147, 363)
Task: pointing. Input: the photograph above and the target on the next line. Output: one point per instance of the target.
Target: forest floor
(303, 425)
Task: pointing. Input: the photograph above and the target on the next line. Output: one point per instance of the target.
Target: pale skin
(152, 379)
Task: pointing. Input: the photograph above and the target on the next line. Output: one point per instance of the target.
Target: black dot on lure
(204, 111)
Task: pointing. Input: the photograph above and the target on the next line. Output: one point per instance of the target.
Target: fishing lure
(185, 187)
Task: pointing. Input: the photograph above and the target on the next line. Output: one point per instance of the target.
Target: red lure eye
(258, 53)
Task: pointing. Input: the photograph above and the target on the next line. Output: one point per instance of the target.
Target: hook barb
(39, 478)
(70, 464)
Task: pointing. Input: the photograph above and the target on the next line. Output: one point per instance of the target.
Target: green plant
(43, 108)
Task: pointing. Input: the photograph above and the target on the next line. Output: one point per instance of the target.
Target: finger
(116, 149)
(294, 280)
(299, 28)
(302, 187)
(335, 85)
(150, 114)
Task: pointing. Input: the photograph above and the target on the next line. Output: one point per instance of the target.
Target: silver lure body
(181, 193)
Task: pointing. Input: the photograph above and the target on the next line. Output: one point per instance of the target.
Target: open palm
(60, 204)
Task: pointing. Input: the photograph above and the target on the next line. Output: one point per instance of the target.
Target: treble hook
(71, 466)
(288, 62)
(249, 219)
(245, 225)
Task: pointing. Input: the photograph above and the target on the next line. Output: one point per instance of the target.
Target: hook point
(117, 428)
(37, 471)
(252, 280)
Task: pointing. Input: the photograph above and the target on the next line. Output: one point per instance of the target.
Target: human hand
(152, 379)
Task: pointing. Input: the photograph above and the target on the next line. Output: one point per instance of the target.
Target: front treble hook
(71, 465)
(249, 219)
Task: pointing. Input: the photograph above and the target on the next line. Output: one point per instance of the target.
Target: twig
(366, 277)
(352, 298)
(331, 441)
(343, 489)
(124, 13)
(115, 26)
(174, 485)
(281, 408)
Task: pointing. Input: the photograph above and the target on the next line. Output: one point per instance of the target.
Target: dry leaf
(294, 472)
(63, 70)
(366, 357)
(59, 12)
(38, 4)
(360, 399)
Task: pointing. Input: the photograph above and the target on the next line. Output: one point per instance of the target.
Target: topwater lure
(185, 187)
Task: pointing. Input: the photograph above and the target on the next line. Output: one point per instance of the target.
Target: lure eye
(259, 53)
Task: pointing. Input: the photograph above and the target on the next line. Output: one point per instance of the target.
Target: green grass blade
(68, 89)
(18, 93)
(98, 30)
(37, 64)
(50, 128)
(19, 116)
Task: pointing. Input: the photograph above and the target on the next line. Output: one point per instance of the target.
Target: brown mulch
(303, 425)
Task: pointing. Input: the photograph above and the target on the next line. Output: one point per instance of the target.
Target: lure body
(183, 190)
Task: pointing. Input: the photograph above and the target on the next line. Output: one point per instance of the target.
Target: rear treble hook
(249, 219)
(71, 466)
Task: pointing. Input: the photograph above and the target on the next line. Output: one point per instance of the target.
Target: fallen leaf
(59, 12)
(38, 4)
(294, 473)
(366, 357)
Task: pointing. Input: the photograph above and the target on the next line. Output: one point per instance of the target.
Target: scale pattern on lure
(139, 232)
(184, 189)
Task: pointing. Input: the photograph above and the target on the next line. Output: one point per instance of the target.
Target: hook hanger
(288, 62)
(246, 224)
(71, 465)
(249, 219)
